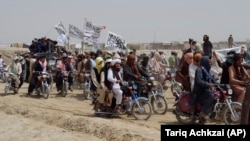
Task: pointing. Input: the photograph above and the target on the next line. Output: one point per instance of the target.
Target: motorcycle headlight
(135, 87)
(66, 74)
(86, 74)
(230, 91)
(172, 74)
(44, 76)
(151, 78)
(9, 79)
(155, 83)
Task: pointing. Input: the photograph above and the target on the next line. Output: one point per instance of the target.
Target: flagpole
(49, 31)
(68, 42)
(83, 35)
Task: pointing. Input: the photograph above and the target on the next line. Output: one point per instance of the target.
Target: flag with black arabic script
(115, 41)
(75, 32)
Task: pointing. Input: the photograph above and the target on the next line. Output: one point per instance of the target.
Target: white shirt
(192, 68)
(113, 79)
(19, 68)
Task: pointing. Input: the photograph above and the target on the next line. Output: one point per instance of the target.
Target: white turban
(108, 61)
(114, 61)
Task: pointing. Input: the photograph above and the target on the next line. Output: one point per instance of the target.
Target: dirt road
(71, 118)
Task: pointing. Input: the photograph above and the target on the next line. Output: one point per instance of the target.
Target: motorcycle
(139, 107)
(148, 88)
(65, 83)
(3, 74)
(10, 84)
(224, 109)
(86, 86)
(175, 86)
(161, 83)
(42, 87)
(76, 80)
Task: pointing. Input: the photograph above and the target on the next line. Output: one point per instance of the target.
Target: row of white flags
(91, 34)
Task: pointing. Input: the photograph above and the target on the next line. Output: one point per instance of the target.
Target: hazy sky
(135, 20)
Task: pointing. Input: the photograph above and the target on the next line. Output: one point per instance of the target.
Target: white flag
(60, 28)
(91, 40)
(92, 30)
(115, 41)
(222, 53)
(75, 32)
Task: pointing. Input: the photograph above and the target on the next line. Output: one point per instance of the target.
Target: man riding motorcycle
(16, 68)
(63, 65)
(40, 65)
(80, 67)
(132, 71)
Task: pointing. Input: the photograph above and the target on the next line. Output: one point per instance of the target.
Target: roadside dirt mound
(8, 53)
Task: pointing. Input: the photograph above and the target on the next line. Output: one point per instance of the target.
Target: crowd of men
(108, 70)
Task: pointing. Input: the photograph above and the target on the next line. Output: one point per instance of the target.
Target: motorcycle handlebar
(247, 83)
(40, 72)
(222, 86)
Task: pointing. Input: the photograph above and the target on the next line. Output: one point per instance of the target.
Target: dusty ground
(69, 118)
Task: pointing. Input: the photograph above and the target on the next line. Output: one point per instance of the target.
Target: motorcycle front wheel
(184, 118)
(176, 88)
(86, 91)
(64, 89)
(6, 89)
(232, 119)
(159, 105)
(141, 109)
(46, 91)
(159, 87)
(4, 77)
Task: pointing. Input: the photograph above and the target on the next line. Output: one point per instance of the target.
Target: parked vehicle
(224, 109)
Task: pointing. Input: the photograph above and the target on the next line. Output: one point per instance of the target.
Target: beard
(117, 69)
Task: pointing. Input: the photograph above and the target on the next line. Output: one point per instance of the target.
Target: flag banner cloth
(91, 40)
(115, 41)
(60, 28)
(75, 32)
(92, 32)
(222, 53)
(62, 40)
